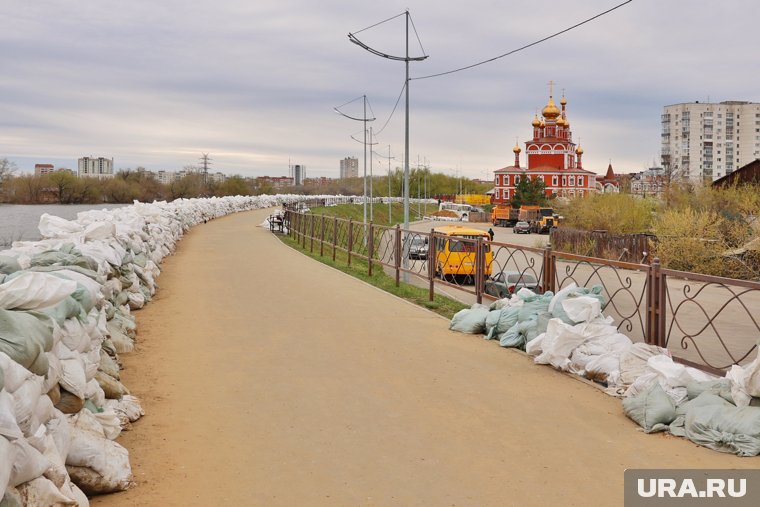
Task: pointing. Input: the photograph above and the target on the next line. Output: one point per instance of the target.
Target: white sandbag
(110, 423)
(55, 370)
(6, 463)
(42, 492)
(56, 227)
(13, 373)
(99, 230)
(674, 374)
(128, 405)
(95, 394)
(90, 363)
(59, 429)
(558, 344)
(32, 290)
(25, 400)
(74, 336)
(745, 382)
(633, 361)
(136, 300)
(8, 425)
(534, 346)
(73, 377)
(96, 464)
(561, 295)
(28, 462)
(582, 308)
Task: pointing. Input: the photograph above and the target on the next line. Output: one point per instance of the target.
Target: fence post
(350, 238)
(303, 231)
(431, 264)
(659, 304)
(322, 237)
(335, 236)
(548, 281)
(311, 233)
(397, 254)
(480, 268)
(370, 248)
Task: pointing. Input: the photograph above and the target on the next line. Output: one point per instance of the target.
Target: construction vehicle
(504, 215)
(541, 219)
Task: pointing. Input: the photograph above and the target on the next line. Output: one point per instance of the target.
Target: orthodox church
(551, 155)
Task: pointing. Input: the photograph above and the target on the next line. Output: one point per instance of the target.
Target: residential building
(706, 141)
(217, 177)
(90, 167)
(551, 155)
(299, 173)
(40, 169)
(349, 168)
(649, 183)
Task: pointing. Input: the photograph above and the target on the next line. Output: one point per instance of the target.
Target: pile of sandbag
(568, 331)
(66, 305)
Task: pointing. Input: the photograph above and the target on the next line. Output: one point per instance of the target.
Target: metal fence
(708, 322)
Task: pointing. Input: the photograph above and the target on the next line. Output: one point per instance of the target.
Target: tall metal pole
(406, 150)
(365, 159)
(389, 185)
(371, 195)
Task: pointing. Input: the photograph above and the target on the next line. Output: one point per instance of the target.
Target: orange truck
(504, 216)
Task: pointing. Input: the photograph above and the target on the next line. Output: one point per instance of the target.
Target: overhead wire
(418, 35)
(381, 22)
(525, 46)
(401, 93)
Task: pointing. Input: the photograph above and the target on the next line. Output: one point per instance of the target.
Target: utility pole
(406, 59)
(363, 119)
(371, 195)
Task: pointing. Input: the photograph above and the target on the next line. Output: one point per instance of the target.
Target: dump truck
(504, 216)
(541, 219)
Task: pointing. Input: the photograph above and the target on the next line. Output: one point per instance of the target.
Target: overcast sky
(254, 83)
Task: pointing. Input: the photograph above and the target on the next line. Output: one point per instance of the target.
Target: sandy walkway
(272, 380)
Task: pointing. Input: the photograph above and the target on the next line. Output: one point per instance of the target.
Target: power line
(527, 45)
(418, 36)
(381, 22)
(400, 94)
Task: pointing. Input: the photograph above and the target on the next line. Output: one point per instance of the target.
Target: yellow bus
(456, 258)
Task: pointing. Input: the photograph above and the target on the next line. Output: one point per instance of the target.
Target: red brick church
(551, 155)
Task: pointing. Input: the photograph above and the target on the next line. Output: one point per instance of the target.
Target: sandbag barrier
(568, 331)
(66, 306)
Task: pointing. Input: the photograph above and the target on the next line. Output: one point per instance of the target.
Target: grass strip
(441, 305)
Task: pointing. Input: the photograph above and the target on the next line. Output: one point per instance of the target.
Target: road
(270, 379)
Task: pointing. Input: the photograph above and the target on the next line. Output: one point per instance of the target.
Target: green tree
(530, 192)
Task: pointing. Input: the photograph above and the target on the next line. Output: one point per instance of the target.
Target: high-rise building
(705, 141)
(95, 167)
(349, 168)
(299, 173)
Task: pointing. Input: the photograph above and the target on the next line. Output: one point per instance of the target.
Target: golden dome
(516, 149)
(542, 124)
(536, 122)
(579, 150)
(550, 111)
(561, 122)
(563, 100)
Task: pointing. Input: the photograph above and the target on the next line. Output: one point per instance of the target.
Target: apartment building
(91, 167)
(349, 168)
(706, 141)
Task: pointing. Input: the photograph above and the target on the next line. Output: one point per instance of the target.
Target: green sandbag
(724, 428)
(69, 308)
(25, 337)
(516, 336)
(652, 409)
(720, 387)
(60, 258)
(470, 321)
(8, 265)
(534, 306)
(505, 319)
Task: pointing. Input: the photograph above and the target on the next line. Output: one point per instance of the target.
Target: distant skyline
(156, 84)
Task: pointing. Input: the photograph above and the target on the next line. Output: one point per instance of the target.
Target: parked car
(506, 283)
(521, 228)
(418, 247)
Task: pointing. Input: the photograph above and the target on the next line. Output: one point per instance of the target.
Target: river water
(18, 222)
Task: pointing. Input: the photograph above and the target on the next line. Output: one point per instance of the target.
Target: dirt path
(272, 380)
